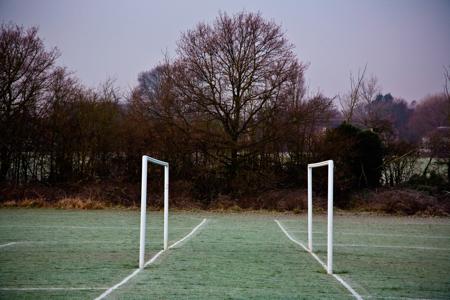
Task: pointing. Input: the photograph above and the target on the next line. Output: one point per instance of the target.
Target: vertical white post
(310, 209)
(143, 211)
(166, 206)
(330, 217)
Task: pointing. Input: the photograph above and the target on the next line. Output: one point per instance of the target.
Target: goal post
(330, 165)
(145, 160)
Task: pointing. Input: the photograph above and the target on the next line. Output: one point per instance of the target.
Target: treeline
(230, 113)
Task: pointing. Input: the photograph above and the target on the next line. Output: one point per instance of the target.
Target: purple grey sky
(405, 43)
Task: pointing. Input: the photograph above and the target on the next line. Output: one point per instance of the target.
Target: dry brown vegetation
(385, 201)
(65, 203)
(402, 202)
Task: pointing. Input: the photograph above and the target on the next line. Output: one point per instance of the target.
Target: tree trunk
(5, 164)
(448, 171)
(233, 165)
(425, 171)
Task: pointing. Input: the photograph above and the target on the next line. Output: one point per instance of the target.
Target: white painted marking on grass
(8, 244)
(338, 278)
(78, 242)
(83, 227)
(109, 291)
(348, 287)
(187, 236)
(52, 288)
(67, 226)
(398, 235)
(152, 260)
(382, 234)
(389, 247)
(399, 298)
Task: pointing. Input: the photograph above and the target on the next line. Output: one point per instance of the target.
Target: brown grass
(278, 200)
(65, 203)
(402, 202)
(27, 203)
(79, 203)
(105, 195)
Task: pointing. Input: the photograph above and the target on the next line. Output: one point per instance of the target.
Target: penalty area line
(152, 260)
(337, 277)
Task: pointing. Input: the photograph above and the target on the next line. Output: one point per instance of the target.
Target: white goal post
(145, 160)
(330, 165)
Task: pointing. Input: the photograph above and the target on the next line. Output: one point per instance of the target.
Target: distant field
(70, 254)
(421, 163)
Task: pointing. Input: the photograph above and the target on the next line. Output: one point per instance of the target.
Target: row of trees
(230, 113)
(52, 128)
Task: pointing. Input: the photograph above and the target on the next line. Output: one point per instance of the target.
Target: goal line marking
(337, 277)
(52, 289)
(152, 260)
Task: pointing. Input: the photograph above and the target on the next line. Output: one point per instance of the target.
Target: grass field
(69, 254)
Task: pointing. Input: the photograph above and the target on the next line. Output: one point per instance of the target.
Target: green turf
(61, 248)
(386, 257)
(233, 256)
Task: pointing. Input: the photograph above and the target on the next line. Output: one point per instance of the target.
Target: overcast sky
(405, 43)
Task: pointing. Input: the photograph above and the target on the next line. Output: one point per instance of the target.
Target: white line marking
(153, 259)
(398, 235)
(186, 237)
(109, 291)
(322, 219)
(52, 288)
(338, 278)
(100, 242)
(399, 298)
(8, 244)
(84, 227)
(81, 242)
(388, 246)
(381, 234)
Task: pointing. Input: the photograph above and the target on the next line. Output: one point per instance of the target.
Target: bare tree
(25, 73)
(306, 120)
(350, 101)
(367, 112)
(234, 73)
(445, 147)
(447, 90)
(430, 113)
(430, 123)
(399, 162)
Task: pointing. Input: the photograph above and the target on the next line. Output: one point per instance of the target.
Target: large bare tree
(25, 73)
(234, 74)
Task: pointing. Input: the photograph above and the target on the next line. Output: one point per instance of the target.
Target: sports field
(70, 254)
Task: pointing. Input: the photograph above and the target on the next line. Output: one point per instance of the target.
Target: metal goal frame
(145, 161)
(330, 165)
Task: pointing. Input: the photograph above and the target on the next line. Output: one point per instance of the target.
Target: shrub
(358, 157)
(402, 202)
